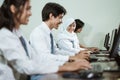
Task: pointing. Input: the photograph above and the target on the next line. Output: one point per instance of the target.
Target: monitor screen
(115, 43)
(116, 53)
(112, 39)
(106, 42)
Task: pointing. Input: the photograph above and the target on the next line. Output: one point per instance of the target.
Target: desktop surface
(59, 76)
(102, 75)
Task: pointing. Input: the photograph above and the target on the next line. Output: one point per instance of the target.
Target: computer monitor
(117, 48)
(115, 43)
(112, 39)
(106, 42)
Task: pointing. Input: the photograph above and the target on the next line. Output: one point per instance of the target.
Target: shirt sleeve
(67, 45)
(63, 52)
(15, 54)
(40, 43)
(6, 72)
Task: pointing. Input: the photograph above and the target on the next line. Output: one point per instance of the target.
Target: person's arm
(93, 49)
(41, 44)
(15, 54)
(74, 66)
(63, 52)
(82, 46)
(67, 45)
(90, 48)
(44, 52)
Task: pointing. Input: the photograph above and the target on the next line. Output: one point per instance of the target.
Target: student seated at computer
(78, 29)
(66, 38)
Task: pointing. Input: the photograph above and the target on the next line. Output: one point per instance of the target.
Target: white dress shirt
(68, 41)
(69, 44)
(41, 43)
(6, 72)
(14, 52)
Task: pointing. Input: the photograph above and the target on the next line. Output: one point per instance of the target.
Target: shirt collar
(17, 32)
(46, 28)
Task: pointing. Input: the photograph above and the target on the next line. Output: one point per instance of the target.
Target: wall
(100, 17)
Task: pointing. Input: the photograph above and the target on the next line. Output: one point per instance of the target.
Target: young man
(42, 41)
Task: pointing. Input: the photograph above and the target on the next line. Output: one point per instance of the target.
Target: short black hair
(79, 24)
(54, 8)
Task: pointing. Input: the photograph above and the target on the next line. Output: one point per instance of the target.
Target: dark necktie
(52, 43)
(73, 44)
(24, 45)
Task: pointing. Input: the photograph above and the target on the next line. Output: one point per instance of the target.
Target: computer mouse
(86, 75)
(90, 75)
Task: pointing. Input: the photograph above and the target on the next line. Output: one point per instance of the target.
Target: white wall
(100, 17)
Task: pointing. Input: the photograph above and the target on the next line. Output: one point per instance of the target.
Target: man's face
(56, 21)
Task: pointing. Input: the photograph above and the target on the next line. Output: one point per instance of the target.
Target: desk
(106, 75)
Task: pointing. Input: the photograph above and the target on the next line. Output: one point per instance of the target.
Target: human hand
(76, 65)
(93, 49)
(83, 54)
(73, 58)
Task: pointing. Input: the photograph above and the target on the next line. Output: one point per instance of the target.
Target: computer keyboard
(93, 58)
(95, 52)
(99, 58)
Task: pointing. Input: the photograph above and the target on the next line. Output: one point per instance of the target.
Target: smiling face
(56, 21)
(71, 27)
(21, 16)
(26, 13)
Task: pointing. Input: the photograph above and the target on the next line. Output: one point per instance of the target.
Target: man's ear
(12, 8)
(51, 16)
